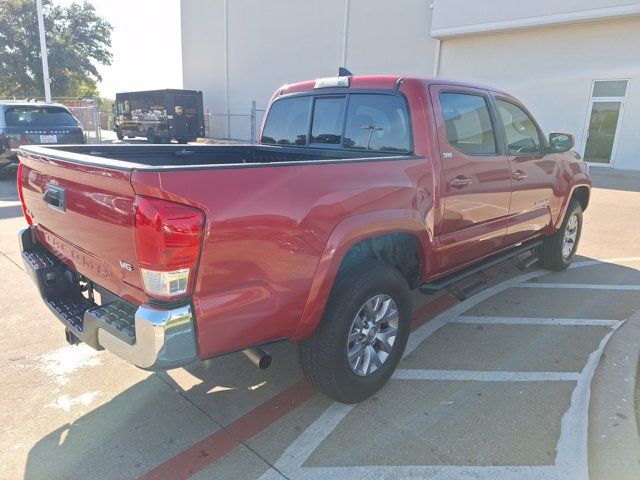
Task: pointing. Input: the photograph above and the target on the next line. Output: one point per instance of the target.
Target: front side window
(37, 116)
(521, 132)
(328, 116)
(377, 122)
(468, 123)
(287, 122)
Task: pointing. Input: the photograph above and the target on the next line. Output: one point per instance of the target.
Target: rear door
(185, 116)
(533, 168)
(476, 176)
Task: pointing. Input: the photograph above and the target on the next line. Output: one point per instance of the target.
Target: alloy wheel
(372, 335)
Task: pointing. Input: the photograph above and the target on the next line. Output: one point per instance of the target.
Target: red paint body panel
(267, 229)
(275, 235)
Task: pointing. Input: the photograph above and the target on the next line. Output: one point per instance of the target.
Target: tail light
(168, 239)
(21, 195)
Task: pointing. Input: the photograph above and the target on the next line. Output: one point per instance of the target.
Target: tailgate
(84, 214)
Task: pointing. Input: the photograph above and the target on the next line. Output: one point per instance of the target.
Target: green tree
(78, 40)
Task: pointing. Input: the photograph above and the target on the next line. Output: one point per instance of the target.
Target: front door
(533, 169)
(476, 176)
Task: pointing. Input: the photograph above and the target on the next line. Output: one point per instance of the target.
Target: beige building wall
(456, 17)
(547, 53)
(274, 42)
(552, 69)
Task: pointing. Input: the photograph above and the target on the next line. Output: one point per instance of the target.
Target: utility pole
(43, 53)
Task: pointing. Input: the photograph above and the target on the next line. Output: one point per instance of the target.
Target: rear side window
(377, 122)
(287, 122)
(27, 116)
(468, 123)
(328, 117)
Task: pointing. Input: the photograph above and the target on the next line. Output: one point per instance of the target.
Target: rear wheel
(362, 335)
(557, 250)
(182, 140)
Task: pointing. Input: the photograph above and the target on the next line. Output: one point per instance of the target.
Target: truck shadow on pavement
(166, 413)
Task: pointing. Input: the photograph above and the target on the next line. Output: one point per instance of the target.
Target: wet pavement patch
(450, 423)
(500, 347)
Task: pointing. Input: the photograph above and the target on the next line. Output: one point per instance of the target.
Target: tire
(151, 136)
(323, 356)
(182, 140)
(131, 136)
(552, 252)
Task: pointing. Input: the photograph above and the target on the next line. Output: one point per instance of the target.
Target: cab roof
(27, 103)
(383, 82)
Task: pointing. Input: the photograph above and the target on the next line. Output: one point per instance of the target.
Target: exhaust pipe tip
(71, 338)
(258, 357)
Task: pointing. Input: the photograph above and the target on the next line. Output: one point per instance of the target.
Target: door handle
(55, 197)
(519, 175)
(460, 182)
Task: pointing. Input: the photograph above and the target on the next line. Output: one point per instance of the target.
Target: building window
(603, 120)
(610, 88)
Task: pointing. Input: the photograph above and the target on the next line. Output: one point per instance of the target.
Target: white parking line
(402, 472)
(571, 459)
(591, 322)
(580, 286)
(485, 376)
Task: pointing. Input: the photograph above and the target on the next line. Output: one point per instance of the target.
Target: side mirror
(561, 142)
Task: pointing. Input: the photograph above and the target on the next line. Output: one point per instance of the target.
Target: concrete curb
(614, 442)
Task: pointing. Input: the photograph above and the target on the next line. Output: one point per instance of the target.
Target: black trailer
(160, 115)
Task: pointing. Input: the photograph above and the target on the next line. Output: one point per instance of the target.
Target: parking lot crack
(223, 428)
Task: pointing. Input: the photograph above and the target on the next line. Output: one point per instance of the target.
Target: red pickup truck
(363, 188)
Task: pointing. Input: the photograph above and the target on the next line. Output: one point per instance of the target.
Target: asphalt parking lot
(532, 378)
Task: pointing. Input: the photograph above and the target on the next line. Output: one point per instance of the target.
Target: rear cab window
(38, 116)
(287, 122)
(354, 121)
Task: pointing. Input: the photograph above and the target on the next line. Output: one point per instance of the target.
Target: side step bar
(456, 277)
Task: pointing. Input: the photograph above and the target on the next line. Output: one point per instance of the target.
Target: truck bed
(269, 212)
(154, 157)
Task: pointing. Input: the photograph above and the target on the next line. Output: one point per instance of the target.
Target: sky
(145, 44)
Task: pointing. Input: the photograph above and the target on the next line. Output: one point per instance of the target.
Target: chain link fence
(92, 119)
(237, 126)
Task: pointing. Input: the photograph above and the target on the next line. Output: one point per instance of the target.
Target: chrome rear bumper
(148, 336)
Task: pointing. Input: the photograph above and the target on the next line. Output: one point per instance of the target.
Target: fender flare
(576, 182)
(347, 233)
